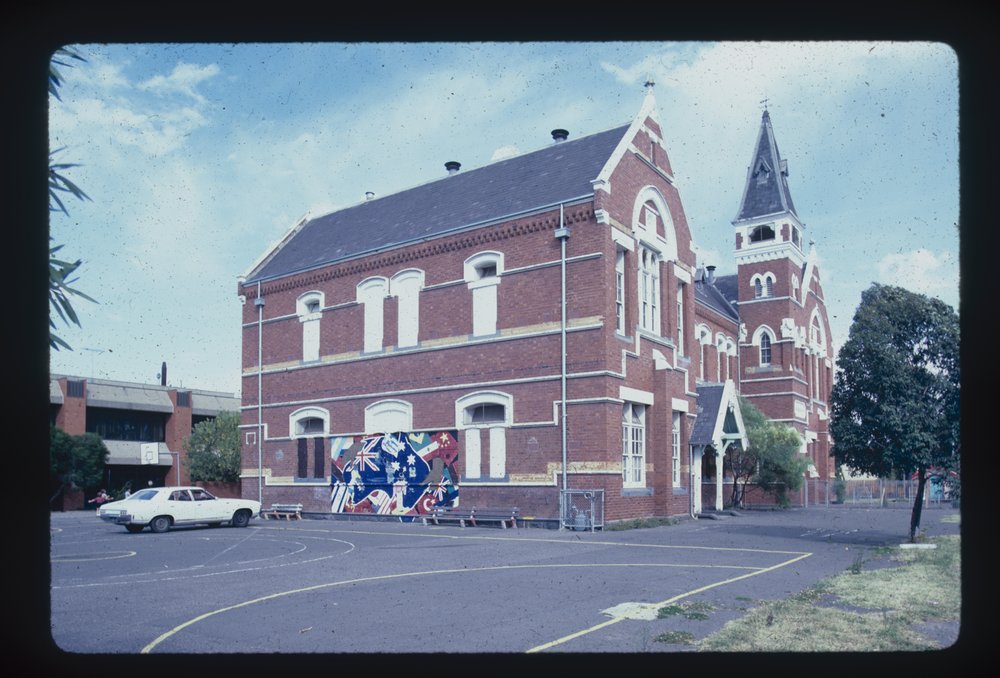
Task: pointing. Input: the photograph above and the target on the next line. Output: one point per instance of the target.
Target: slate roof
(766, 190)
(557, 173)
(719, 295)
(709, 402)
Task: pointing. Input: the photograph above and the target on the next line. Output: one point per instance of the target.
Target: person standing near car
(101, 497)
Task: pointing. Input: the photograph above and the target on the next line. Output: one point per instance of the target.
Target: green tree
(61, 272)
(895, 404)
(75, 461)
(213, 449)
(771, 460)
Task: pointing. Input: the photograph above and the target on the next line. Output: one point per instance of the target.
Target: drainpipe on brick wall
(259, 303)
(562, 233)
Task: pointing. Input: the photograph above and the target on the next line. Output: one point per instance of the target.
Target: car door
(181, 506)
(209, 508)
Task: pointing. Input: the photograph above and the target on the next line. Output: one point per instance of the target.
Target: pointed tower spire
(766, 190)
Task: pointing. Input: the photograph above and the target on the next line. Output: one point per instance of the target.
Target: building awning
(55, 393)
(129, 453)
(210, 404)
(719, 421)
(128, 397)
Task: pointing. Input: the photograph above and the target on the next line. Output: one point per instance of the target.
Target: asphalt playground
(365, 587)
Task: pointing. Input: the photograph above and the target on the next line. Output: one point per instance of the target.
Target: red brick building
(144, 426)
(538, 324)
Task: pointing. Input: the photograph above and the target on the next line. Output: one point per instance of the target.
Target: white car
(162, 507)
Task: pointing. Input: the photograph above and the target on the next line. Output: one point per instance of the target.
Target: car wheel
(241, 518)
(134, 528)
(160, 524)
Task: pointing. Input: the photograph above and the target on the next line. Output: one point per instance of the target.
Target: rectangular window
(620, 291)
(303, 458)
(680, 318)
(675, 466)
(74, 389)
(649, 290)
(473, 453)
(319, 458)
(184, 399)
(633, 445)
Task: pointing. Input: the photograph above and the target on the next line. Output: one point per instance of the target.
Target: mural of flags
(399, 473)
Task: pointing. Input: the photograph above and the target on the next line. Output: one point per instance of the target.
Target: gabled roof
(559, 173)
(766, 190)
(716, 295)
(719, 420)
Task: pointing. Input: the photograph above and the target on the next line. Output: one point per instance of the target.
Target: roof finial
(649, 86)
(763, 103)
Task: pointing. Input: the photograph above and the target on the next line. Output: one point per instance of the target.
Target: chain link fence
(581, 510)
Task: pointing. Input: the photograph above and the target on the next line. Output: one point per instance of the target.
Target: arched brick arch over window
(389, 416)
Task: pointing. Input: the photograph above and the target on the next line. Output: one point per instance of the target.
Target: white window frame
(675, 447)
(633, 445)
(473, 437)
(680, 316)
(406, 287)
(649, 289)
(309, 308)
(620, 290)
(704, 339)
(765, 345)
(371, 292)
(483, 272)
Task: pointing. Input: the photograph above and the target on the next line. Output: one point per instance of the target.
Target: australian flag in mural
(403, 474)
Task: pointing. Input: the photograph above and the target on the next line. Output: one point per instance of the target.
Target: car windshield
(142, 495)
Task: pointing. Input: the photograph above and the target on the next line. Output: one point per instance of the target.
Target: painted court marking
(627, 613)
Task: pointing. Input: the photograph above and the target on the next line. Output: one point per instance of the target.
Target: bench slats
(473, 517)
(286, 511)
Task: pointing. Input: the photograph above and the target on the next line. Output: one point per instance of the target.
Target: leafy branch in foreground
(60, 271)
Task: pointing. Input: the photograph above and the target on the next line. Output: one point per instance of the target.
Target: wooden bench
(286, 511)
(476, 516)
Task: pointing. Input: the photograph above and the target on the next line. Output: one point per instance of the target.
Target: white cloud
(505, 152)
(922, 271)
(182, 80)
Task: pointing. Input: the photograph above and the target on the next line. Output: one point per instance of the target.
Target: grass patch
(637, 523)
(696, 609)
(953, 518)
(926, 588)
(676, 638)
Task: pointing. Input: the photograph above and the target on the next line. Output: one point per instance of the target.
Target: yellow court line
(615, 620)
(548, 540)
(164, 636)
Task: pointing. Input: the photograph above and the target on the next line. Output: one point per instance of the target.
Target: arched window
(762, 233)
(704, 339)
(310, 425)
(484, 419)
(758, 289)
(769, 286)
(309, 307)
(482, 276)
(765, 349)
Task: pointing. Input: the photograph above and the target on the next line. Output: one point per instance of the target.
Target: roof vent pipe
(559, 135)
(369, 195)
(452, 166)
(711, 274)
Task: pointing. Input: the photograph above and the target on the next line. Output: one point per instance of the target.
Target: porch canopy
(718, 426)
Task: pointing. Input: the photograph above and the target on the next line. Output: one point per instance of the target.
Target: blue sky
(197, 157)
